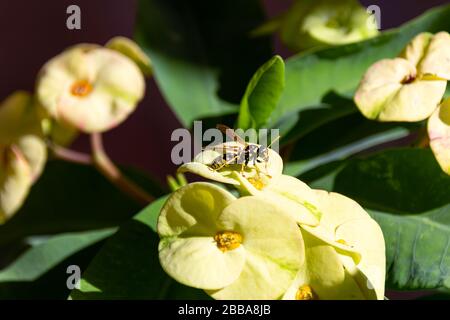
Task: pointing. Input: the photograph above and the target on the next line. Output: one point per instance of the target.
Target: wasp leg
(225, 163)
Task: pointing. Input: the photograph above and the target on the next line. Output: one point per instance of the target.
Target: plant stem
(113, 174)
(70, 155)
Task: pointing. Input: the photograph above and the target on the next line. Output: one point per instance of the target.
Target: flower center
(228, 240)
(81, 88)
(408, 79)
(305, 292)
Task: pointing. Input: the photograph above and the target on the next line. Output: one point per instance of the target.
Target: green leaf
(43, 257)
(312, 75)
(41, 271)
(262, 95)
(70, 197)
(128, 266)
(363, 144)
(202, 53)
(333, 107)
(328, 134)
(417, 249)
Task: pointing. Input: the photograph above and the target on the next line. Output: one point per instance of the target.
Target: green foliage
(262, 95)
(201, 52)
(418, 255)
(41, 271)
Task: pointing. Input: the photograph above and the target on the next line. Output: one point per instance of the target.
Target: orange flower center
(228, 240)
(305, 292)
(81, 88)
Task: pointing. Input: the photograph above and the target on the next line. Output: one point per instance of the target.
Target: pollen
(342, 241)
(228, 240)
(81, 88)
(305, 292)
(257, 183)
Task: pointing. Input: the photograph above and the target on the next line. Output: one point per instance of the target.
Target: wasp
(243, 154)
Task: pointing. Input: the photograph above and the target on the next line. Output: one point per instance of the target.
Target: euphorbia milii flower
(22, 151)
(90, 88)
(246, 248)
(343, 222)
(309, 24)
(409, 87)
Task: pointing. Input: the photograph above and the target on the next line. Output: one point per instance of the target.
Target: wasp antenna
(273, 141)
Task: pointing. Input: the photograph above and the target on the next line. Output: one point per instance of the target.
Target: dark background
(32, 32)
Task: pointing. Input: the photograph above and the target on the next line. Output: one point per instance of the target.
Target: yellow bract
(256, 257)
(130, 49)
(409, 87)
(314, 23)
(22, 151)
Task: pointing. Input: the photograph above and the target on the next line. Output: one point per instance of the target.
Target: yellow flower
(90, 88)
(22, 151)
(409, 87)
(345, 254)
(246, 248)
(315, 23)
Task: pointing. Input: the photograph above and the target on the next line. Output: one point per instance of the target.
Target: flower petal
(337, 210)
(386, 95)
(324, 273)
(130, 49)
(417, 48)
(439, 133)
(15, 181)
(366, 236)
(205, 172)
(193, 208)
(437, 59)
(274, 246)
(297, 198)
(34, 151)
(199, 263)
(19, 116)
(260, 279)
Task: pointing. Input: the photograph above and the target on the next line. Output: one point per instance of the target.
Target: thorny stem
(110, 171)
(70, 155)
(423, 141)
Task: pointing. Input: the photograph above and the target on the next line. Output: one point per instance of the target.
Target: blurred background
(34, 31)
